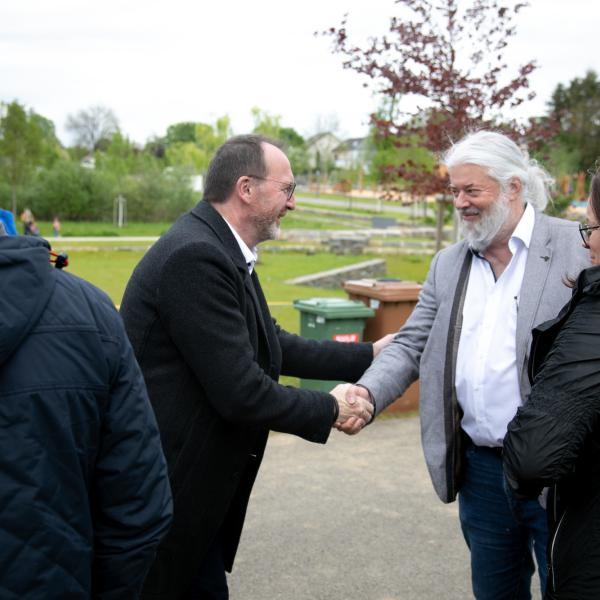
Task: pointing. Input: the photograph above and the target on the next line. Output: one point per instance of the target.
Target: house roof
(319, 136)
(350, 144)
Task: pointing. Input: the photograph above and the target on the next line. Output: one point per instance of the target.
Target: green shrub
(158, 195)
(557, 206)
(70, 191)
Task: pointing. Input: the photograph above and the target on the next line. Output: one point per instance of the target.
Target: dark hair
(238, 156)
(595, 204)
(595, 194)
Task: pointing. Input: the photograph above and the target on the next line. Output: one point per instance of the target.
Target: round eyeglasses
(288, 190)
(586, 232)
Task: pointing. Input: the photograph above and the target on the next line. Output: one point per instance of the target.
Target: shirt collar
(524, 229)
(250, 255)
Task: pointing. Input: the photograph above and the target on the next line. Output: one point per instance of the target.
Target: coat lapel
(268, 327)
(260, 304)
(203, 210)
(537, 267)
(452, 411)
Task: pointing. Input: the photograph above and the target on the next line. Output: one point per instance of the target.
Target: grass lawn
(364, 212)
(293, 220)
(107, 269)
(110, 271)
(110, 268)
(300, 220)
(99, 228)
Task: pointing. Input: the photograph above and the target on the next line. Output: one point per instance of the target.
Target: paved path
(356, 519)
(356, 203)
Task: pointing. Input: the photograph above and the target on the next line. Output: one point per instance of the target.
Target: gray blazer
(426, 346)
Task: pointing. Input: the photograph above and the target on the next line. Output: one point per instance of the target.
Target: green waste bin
(337, 319)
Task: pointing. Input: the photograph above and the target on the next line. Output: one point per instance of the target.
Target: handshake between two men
(355, 407)
(354, 401)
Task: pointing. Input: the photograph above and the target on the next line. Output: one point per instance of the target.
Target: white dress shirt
(250, 254)
(487, 379)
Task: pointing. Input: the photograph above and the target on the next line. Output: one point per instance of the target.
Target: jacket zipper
(554, 540)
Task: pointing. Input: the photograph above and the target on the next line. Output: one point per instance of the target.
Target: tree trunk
(14, 199)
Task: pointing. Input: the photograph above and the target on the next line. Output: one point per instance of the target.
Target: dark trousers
(210, 582)
(501, 531)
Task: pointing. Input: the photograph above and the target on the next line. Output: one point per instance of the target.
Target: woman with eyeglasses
(553, 443)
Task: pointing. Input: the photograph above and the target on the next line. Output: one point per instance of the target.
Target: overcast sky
(158, 62)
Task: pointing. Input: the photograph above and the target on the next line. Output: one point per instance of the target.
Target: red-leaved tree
(444, 59)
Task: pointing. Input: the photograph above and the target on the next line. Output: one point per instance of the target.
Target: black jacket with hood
(554, 440)
(84, 493)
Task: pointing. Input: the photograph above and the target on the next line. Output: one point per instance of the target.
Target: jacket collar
(588, 280)
(207, 213)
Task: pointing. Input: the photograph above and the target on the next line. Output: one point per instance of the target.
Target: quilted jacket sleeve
(545, 440)
(132, 496)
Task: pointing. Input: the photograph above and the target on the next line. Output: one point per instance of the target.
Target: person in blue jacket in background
(84, 492)
(8, 220)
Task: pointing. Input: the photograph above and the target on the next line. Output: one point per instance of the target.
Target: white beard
(482, 233)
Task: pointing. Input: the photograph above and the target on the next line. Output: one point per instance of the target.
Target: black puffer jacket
(554, 440)
(84, 494)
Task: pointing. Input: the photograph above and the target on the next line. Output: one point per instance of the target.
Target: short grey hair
(503, 160)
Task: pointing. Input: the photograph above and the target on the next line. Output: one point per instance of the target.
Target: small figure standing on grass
(56, 226)
(29, 225)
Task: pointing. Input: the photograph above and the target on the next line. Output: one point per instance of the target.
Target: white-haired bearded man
(468, 341)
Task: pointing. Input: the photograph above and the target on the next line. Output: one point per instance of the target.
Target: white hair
(503, 160)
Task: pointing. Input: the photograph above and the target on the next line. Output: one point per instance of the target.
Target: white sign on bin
(351, 338)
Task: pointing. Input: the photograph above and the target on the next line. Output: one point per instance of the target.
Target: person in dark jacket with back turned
(554, 440)
(211, 354)
(84, 491)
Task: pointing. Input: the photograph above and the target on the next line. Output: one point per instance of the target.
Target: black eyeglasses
(288, 189)
(586, 232)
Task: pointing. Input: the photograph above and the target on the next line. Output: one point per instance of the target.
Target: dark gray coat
(211, 355)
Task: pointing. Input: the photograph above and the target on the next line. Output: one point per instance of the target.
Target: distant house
(319, 149)
(351, 154)
(196, 181)
(88, 162)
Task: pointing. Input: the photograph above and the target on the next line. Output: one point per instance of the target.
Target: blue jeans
(500, 530)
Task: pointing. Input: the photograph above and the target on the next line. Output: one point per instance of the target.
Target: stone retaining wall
(334, 278)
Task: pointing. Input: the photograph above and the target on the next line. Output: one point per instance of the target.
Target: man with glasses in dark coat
(212, 354)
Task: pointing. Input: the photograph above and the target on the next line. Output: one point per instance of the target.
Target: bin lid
(391, 291)
(334, 308)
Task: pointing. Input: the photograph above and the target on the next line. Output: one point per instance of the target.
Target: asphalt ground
(356, 519)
